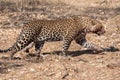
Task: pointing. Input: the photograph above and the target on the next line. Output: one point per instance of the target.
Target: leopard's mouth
(100, 33)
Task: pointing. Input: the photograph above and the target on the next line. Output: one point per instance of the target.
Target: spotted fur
(66, 30)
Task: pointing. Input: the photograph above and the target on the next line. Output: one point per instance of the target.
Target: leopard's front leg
(83, 42)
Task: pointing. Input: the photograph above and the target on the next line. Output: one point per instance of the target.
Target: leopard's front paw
(98, 50)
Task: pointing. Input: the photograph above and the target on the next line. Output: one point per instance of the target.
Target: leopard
(66, 30)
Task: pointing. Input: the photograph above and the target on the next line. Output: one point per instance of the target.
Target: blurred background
(16, 12)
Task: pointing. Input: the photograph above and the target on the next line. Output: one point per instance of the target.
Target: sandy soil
(81, 64)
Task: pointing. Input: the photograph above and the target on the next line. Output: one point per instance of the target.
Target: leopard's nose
(103, 31)
(99, 34)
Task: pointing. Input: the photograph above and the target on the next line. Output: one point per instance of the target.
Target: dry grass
(21, 5)
(17, 5)
(16, 12)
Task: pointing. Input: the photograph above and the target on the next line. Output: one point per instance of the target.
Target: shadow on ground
(77, 53)
(5, 65)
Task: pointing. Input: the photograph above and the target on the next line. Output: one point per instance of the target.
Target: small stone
(113, 65)
(31, 69)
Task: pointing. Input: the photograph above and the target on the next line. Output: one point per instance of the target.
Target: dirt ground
(80, 64)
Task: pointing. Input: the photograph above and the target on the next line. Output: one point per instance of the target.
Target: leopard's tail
(22, 41)
(15, 48)
(18, 45)
(5, 50)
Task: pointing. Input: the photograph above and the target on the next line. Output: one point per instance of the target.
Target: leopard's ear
(96, 26)
(93, 28)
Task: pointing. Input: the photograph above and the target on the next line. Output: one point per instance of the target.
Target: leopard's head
(95, 27)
